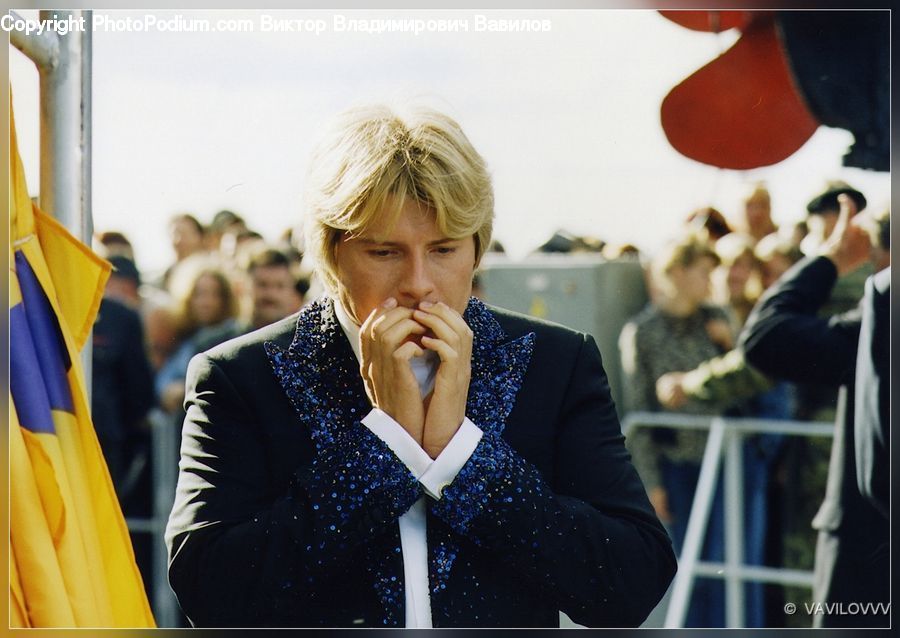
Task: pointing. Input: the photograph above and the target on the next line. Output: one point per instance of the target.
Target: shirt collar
(351, 330)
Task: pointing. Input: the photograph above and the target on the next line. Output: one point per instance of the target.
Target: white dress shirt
(433, 474)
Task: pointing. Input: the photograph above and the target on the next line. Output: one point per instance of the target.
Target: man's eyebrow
(368, 241)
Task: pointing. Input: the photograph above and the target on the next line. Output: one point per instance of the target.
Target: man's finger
(386, 321)
(392, 337)
(408, 350)
(848, 210)
(445, 315)
(440, 328)
(444, 350)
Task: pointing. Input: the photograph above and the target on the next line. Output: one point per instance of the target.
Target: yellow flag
(71, 561)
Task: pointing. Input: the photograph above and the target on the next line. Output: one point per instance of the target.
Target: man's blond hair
(374, 153)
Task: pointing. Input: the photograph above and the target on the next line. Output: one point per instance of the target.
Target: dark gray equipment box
(585, 292)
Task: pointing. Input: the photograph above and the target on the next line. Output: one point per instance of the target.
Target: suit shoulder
(251, 345)
(516, 324)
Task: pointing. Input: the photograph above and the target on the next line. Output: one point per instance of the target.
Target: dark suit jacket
(784, 338)
(287, 506)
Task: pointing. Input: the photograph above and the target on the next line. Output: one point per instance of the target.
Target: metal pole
(696, 528)
(734, 530)
(41, 49)
(66, 136)
(165, 476)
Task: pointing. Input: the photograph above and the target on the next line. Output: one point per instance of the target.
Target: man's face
(185, 238)
(274, 294)
(692, 282)
(207, 301)
(411, 262)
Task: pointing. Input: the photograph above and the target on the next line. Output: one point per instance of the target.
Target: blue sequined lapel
(498, 368)
(320, 376)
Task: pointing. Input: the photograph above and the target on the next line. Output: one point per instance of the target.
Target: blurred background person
(222, 222)
(205, 315)
(710, 220)
(736, 281)
(677, 331)
(113, 242)
(775, 254)
(729, 384)
(186, 234)
(756, 213)
(122, 381)
(273, 288)
(787, 337)
(124, 282)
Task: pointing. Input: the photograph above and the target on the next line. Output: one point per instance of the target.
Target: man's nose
(418, 283)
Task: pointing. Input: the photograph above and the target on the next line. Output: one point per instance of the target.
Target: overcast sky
(568, 121)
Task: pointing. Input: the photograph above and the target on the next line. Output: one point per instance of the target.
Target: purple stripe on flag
(26, 382)
(47, 340)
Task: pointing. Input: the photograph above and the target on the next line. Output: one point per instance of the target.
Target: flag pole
(64, 65)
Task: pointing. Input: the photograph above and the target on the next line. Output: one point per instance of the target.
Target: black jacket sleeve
(785, 339)
(587, 536)
(241, 555)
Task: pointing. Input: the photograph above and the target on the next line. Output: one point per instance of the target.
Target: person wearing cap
(786, 338)
(122, 378)
(822, 212)
(124, 281)
(399, 453)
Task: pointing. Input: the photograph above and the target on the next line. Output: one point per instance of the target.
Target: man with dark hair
(272, 287)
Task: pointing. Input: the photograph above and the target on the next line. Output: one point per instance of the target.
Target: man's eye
(446, 250)
(381, 252)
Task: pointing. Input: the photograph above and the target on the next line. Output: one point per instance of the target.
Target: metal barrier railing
(164, 466)
(725, 435)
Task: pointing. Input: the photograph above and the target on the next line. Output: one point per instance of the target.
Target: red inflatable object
(742, 110)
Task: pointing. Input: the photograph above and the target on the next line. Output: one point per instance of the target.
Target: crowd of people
(681, 354)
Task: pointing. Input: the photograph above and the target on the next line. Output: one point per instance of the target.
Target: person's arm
(783, 336)
(587, 536)
(242, 550)
(720, 382)
(639, 393)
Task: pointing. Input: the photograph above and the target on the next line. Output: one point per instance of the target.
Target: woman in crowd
(677, 331)
(205, 315)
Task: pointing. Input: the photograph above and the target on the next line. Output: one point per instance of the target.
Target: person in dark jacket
(785, 338)
(122, 381)
(399, 453)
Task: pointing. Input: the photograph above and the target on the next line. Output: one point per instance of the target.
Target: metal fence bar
(723, 432)
(759, 574)
(696, 529)
(165, 472)
(734, 528)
